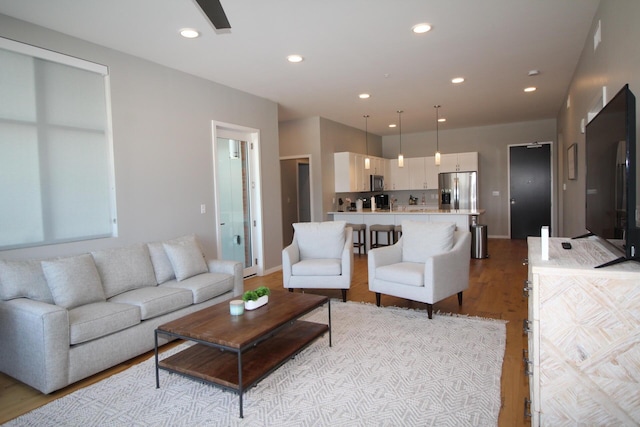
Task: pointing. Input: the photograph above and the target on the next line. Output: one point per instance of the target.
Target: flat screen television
(611, 211)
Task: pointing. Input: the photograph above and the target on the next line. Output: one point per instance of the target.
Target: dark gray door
(530, 189)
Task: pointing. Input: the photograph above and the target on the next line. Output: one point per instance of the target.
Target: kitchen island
(462, 217)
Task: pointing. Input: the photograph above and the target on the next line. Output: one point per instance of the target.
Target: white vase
(252, 305)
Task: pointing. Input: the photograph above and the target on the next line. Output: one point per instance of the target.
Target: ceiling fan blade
(214, 11)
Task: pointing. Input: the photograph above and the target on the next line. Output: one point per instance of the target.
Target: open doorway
(237, 195)
(295, 181)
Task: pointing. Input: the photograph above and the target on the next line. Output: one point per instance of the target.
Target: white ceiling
(354, 46)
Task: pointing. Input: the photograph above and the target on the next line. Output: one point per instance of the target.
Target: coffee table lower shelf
(240, 370)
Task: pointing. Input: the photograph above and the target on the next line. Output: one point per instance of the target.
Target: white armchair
(429, 263)
(319, 257)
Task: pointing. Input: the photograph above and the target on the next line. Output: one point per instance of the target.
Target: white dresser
(584, 336)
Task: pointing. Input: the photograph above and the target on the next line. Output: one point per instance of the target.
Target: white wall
(615, 63)
(491, 143)
(162, 144)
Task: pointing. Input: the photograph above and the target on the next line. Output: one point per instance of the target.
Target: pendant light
(400, 156)
(437, 141)
(367, 161)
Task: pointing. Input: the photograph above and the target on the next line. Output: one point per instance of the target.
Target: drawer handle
(527, 408)
(526, 289)
(526, 327)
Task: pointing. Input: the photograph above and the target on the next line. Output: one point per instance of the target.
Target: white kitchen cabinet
(377, 166)
(417, 173)
(398, 177)
(431, 173)
(584, 345)
(344, 172)
(349, 173)
(362, 174)
(459, 162)
(423, 173)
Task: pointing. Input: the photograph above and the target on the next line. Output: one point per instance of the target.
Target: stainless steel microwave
(377, 182)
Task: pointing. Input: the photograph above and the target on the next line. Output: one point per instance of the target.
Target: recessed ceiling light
(392, 125)
(364, 96)
(442, 119)
(294, 58)
(530, 89)
(457, 80)
(421, 28)
(189, 33)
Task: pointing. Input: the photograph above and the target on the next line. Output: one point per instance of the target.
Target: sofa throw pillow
(320, 240)
(186, 258)
(421, 240)
(124, 269)
(73, 281)
(23, 279)
(161, 265)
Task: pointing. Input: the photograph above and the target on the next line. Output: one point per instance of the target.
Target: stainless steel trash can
(479, 241)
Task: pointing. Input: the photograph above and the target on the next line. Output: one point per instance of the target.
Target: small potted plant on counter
(256, 298)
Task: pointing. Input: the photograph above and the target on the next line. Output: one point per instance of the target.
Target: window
(56, 153)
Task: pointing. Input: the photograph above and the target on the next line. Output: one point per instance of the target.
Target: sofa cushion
(317, 267)
(155, 301)
(186, 257)
(73, 281)
(421, 240)
(204, 286)
(98, 319)
(161, 264)
(124, 269)
(23, 279)
(406, 273)
(317, 240)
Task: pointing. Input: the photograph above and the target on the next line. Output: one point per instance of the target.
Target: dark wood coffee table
(236, 352)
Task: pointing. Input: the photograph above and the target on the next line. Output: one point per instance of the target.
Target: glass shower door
(234, 200)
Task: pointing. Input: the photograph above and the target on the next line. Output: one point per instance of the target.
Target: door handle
(512, 201)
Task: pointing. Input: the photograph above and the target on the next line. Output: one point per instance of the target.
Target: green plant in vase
(256, 293)
(254, 299)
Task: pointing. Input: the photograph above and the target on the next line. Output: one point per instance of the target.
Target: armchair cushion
(404, 273)
(318, 240)
(317, 267)
(421, 240)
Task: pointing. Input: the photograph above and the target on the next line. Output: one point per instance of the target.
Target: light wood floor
(495, 291)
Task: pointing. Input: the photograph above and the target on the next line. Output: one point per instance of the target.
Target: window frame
(103, 71)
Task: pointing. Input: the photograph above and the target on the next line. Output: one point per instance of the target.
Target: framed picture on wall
(572, 161)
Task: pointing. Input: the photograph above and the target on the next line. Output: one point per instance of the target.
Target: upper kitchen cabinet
(349, 173)
(378, 166)
(423, 173)
(459, 162)
(398, 178)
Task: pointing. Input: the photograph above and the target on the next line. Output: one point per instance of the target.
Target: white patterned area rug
(388, 367)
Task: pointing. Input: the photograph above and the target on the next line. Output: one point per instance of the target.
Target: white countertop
(413, 211)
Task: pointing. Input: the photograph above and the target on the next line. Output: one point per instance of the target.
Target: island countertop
(413, 211)
(463, 218)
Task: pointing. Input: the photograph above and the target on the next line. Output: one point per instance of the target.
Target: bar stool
(381, 228)
(361, 230)
(398, 233)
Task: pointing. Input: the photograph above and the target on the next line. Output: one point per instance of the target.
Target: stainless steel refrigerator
(458, 190)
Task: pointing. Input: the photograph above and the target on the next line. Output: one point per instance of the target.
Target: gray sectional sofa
(64, 319)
